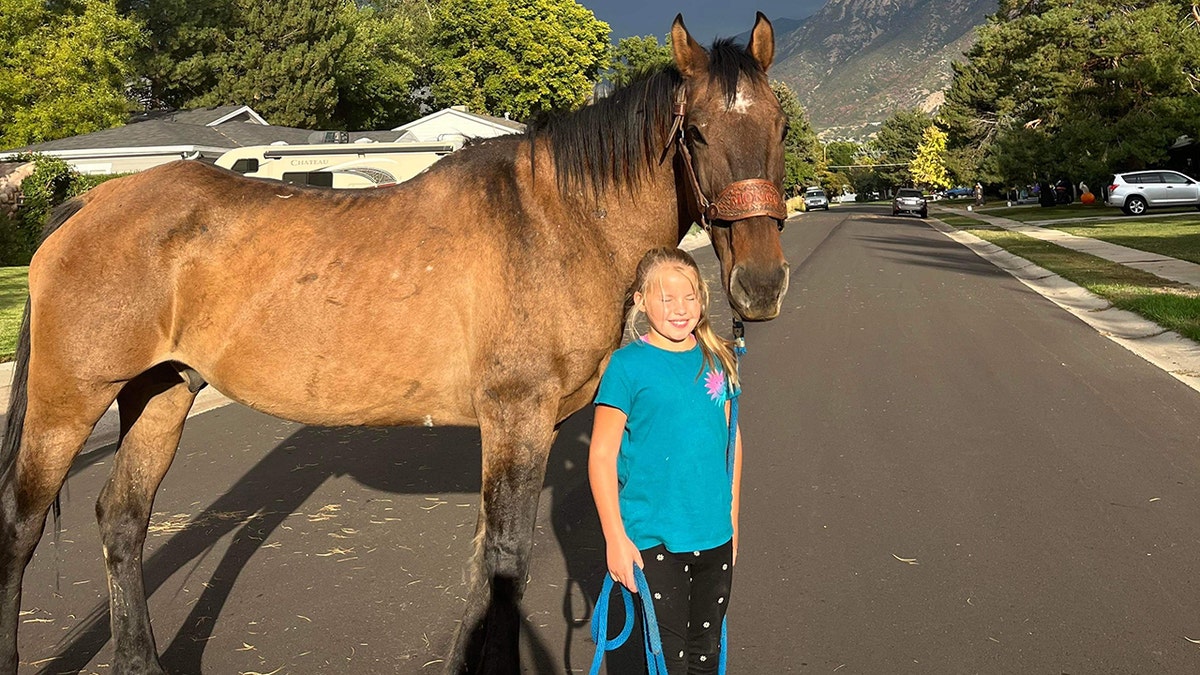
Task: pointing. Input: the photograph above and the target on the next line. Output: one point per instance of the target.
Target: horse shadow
(273, 490)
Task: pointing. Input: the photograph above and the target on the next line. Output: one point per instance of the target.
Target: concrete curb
(1170, 351)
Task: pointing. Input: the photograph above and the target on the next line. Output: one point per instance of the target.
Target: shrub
(52, 182)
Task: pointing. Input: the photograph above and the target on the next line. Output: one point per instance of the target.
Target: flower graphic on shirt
(714, 383)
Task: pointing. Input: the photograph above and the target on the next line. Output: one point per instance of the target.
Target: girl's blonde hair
(714, 347)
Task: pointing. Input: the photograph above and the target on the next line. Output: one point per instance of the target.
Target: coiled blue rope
(655, 662)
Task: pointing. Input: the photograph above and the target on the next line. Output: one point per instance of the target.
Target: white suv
(1136, 191)
(814, 198)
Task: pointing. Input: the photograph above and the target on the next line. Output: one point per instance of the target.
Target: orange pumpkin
(1087, 198)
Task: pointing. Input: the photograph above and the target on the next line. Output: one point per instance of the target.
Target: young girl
(657, 461)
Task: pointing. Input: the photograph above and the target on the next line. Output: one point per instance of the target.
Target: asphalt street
(945, 473)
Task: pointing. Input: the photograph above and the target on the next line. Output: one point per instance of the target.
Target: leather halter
(737, 201)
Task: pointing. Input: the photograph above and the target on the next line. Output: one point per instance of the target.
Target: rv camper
(338, 165)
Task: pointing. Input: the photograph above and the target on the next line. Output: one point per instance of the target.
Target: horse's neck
(634, 219)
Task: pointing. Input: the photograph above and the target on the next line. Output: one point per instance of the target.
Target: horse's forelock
(728, 63)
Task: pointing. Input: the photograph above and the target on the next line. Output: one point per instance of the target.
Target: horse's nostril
(758, 293)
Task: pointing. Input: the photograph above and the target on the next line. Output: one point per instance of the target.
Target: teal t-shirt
(673, 484)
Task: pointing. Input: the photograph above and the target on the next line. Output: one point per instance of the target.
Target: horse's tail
(14, 423)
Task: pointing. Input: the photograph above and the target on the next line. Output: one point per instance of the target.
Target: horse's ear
(762, 42)
(690, 57)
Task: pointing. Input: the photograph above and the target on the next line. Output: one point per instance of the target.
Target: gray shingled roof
(198, 116)
(502, 121)
(189, 128)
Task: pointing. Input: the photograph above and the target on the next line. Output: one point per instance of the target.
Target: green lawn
(1034, 213)
(1170, 304)
(14, 288)
(1178, 237)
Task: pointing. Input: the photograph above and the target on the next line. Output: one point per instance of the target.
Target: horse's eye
(694, 135)
(786, 130)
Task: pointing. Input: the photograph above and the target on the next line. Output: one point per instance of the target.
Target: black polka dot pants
(691, 593)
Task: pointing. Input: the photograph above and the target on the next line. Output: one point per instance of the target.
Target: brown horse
(487, 291)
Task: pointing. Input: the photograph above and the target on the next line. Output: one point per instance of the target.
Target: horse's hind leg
(516, 424)
(153, 408)
(49, 433)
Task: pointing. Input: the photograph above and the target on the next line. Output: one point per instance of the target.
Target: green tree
(1075, 87)
(801, 149)
(521, 57)
(280, 61)
(378, 71)
(206, 52)
(636, 56)
(928, 166)
(897, 142)
(842, 153)
(63, 69)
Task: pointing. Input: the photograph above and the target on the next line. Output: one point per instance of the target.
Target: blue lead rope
(655, 662)
(653, 640)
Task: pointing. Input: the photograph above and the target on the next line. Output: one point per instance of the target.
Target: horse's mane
(612, 142)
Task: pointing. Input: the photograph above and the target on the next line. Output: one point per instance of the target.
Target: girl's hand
(622, 556)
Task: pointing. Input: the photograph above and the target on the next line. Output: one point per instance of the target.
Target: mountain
(856, 61)
(783, 25)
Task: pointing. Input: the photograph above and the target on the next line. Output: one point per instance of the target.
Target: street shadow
(926, 252)
(401, 460)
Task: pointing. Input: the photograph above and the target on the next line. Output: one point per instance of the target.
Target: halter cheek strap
(739, 200)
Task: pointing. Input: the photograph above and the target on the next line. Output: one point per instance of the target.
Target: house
(458, 121)
(204, 134)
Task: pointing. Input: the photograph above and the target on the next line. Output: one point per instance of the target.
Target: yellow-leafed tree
(928, 165)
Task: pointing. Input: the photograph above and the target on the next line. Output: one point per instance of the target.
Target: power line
(861, 166)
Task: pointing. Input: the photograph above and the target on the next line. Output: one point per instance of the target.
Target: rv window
(316, 178)
(247, 165)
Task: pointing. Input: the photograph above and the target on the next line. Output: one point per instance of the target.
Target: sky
(706, 19)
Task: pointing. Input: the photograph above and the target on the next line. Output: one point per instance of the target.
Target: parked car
(1136, 191)
(814, 198)
(910, 200)
(960, 191)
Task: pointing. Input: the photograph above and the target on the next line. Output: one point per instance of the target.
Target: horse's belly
(350, 394)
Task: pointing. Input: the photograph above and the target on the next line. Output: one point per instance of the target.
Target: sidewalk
(1173, 353)
(109, 426)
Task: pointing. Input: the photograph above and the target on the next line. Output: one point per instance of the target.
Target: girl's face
(672, 305)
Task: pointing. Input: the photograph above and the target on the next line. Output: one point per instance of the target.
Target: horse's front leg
(516, 423)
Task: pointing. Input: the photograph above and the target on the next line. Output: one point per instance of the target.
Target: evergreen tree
(897, 142)
(63, 69)
(280, 58)
(842, 153)
(1067, 87)
(801, 149)
(280, 61)
(182, 36)
(516, 57)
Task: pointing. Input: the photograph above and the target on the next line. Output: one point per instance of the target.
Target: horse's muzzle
(756, 292)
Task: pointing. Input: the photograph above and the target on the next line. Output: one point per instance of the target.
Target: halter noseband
(737, 201)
